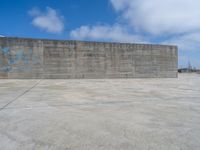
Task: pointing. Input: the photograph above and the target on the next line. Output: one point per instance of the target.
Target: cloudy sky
(174, 22)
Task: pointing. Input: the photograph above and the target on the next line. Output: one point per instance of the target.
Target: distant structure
(23, 58)
(188, 69)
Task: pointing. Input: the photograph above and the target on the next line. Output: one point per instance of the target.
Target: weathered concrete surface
(51, 59)
(141, 114)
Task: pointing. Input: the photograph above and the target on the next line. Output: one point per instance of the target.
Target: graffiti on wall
(17, 60)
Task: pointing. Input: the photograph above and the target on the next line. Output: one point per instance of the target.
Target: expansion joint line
(16, 98)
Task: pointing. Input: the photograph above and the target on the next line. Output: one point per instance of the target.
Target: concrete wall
(49, 59)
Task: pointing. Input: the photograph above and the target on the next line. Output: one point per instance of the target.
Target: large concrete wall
(53, 59)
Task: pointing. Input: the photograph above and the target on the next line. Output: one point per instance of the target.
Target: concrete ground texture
(100, 114)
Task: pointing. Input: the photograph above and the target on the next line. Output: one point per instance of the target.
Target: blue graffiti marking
(24, 69)
(31, 52)
(11, 61)
(6, 68)
(6, 50)
(18, 57)
(26, 61)
(21, 56)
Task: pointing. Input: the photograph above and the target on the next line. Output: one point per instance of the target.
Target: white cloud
(115, 33)
(174, 22)
(189, 41)
(175, 19)
(160, 16)
(50, 21)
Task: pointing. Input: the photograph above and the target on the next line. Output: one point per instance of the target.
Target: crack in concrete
(16, 98)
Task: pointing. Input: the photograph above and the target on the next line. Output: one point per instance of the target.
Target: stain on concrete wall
(32, 58)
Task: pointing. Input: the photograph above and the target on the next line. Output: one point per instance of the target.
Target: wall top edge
(79, 41)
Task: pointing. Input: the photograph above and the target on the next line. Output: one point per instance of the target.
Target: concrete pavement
(117, 114)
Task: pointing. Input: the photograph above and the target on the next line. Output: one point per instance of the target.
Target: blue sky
(144, 21)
